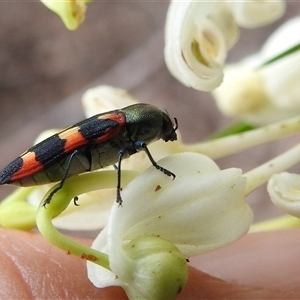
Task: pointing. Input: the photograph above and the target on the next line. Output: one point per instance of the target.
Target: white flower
(104, 98)
(191, 55)
(201, 210)
(284, 190)
(199, 34)
(264, 95)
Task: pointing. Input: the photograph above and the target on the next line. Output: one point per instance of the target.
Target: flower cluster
(203, 209)
(199, 34)
(196, 212)
(144, 245)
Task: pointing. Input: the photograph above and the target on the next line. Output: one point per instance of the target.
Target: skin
(31, 268)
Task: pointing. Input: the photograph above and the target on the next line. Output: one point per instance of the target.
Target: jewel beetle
(97, 142)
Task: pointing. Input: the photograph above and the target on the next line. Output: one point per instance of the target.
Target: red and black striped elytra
(97, 142)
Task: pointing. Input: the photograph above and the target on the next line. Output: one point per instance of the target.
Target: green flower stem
(16, 212)
(262, 174)
(231, 129)
(235, 143)
(280, 223)
(290, 51)
(73, 187)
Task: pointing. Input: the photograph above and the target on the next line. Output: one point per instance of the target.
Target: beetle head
(147, 123)
(168, 132)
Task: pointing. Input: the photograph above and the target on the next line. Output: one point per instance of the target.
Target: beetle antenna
(176, 124)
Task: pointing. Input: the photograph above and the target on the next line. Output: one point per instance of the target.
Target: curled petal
(195, 47)
(284, 190)
(251, 14)
(224, 19)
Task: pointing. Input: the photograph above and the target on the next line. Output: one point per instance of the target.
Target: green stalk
(73, 187)
(235, 143)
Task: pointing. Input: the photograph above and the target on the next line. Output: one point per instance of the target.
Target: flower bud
(158, 269)
(284, 190)
(72, 12)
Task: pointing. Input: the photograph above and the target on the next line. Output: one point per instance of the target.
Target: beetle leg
(139, 145)
(61, 184)
(118, 167)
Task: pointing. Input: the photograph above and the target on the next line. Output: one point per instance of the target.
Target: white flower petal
(91, 214)
(99, 276)
(224, 19)
(194, 45)
(200, 192)
(284, 190)
(281, 83)
(281, 78)
(45, 134)
(241, 92)
(251, 14)
(168, 224)
(104, 98)
(281, 40)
